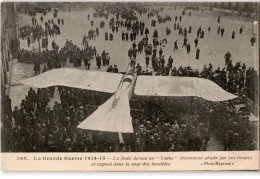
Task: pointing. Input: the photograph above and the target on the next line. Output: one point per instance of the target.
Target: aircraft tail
(112, 116)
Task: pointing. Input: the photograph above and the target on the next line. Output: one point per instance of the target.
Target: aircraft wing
(76, 78)
(180, 86)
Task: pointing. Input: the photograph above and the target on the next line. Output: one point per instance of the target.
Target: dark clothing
(115, 70)
(197, 54)
(147, 60)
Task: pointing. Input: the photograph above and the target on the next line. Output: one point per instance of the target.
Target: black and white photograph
(129, 76)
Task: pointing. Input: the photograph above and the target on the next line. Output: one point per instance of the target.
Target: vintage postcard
(129, 86)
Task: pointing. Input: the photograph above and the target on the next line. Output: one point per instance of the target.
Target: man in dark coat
(115, 69)
(227, 57)
(196, 41)
(162, 61)
(241, 30)
(106, 36)
(147, 61)
(170, 61)
(28, 41)
(138, 69)
(184, 42)
(160, 52)
(37, 68)
(233, 35)
(175, 45)
(188, 48)
(104, 58)
(146, 32)
(98, 59)
(197, 53)
(123, 36)
(110, 69)
(222, 31)
(252, 40)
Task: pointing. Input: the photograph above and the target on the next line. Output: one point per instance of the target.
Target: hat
(68, 140)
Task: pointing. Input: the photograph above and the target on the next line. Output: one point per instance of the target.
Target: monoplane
(114, 114)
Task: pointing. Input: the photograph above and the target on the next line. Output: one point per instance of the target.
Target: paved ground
(212, 47)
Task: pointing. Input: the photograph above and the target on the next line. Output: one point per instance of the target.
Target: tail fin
(110, 117)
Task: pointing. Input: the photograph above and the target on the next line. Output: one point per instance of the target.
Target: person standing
(146, 32)
(252, 40)
(170, 62)
(95, 51)
(184, 42)
(162, 61)
(189, 31)
(88, 64)
(241, 30)
(175, 45)
(233, 35)
(123, 36)
(197, 53)
(160, 52)
(138, 69)
(28, 41)
(98, 59)
(107, 59)
(103, 56)
(147, 61)
(97, 31)
(113, 29)
(218, 19)
(196, 41)
(202, 34)
(106, 36)
(37, 67)
(222, 31)
(180, 18)
(227, 57)
(188, 48)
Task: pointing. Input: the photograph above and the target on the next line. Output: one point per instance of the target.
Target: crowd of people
(31, 10)
(41, 30)
(160, 123)
(70, 53)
